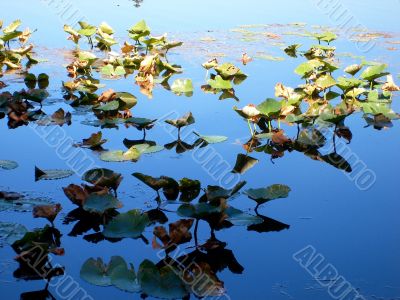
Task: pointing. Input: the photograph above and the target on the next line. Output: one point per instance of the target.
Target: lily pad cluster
(14, 50)
(147, 56)
(222, 80)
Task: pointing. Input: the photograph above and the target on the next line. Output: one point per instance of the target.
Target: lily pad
(11, 232)
(373, 72)
(244, 163)
(96, 272)
(272, 192)
(269, 107)
(240, 218)
(51, 174)
(186, 120)
(101, 203)
(161, 283)
(219, 83)
(103, 177)
(132, 154)
(127, 225)
(8, 164)
(182, 86)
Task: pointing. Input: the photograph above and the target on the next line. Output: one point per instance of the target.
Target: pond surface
(346, 213)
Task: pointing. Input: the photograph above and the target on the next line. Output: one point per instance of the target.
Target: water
(356, 231)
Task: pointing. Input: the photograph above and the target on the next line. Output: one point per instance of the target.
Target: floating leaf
(209, 139)
(198, 211)
(353, 69)
(182, 86)
(94, 141)
(51, 174)
(244, 163)
(20, 203)
(161, 283)
(11, 232)
(186, 120)
(292, 50)
(240, 218)
(101, 203)
(325, 81)
(127, 225)
(272, 192)
(219, 83)
(132, 154)
(103, 177)
(96, 272)
(189, 189)
(373, 72)
(8, 164)
(269, 107)
(109, 106)
(48, 212)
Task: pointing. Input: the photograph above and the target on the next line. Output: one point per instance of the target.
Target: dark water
(355, 230)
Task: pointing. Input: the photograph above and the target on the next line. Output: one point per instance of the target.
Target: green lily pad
(132, 154)
(182, 86)
(186, 120)
(128, 100)
(211, 139)
(127, 225)
(52, 174)
(109, 106)
(269, 107)
(198, 211)
(96, 272)
(227, 70)
(219, 83)
(214, 192)
(101, 203)
(307, 67)
(325, 81)
(124, 278)
(373, 72)
(353, 69)
(103, 177)
(94, 141)
(161, 283)
(272, 192)
(292, 50)
(240, 218)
